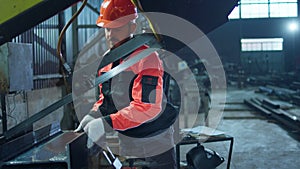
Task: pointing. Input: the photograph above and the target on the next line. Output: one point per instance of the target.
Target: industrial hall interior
(150, 84)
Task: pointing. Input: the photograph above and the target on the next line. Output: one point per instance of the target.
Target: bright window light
(262, 44)
(265, 9)
(293, 26)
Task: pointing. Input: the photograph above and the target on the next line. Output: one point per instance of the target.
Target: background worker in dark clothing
(132, 98)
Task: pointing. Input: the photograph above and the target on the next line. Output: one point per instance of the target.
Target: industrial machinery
(47, 147)
(18, 146)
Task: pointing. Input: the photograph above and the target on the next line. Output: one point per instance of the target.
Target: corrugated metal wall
(87, 22)
(44, 39)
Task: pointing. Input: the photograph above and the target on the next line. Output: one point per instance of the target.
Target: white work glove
(95, 131)
(86, 119)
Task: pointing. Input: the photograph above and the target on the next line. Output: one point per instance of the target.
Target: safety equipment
(200, 157)
(147, 79)
(116, 13)
(95, 130)
(86, 119)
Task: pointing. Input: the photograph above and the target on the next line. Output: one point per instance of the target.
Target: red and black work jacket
(132, 101)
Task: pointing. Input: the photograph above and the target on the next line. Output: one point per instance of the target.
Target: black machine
(47, 147)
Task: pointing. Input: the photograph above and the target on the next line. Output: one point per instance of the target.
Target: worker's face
(116, 36)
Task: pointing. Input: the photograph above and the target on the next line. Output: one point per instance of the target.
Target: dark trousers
(166, 160)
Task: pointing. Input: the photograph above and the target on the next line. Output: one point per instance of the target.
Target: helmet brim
(115, 23)
(110, 24)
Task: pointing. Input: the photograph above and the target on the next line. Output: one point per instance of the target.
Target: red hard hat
(116, 13)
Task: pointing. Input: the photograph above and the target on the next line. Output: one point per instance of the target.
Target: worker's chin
(117, 43)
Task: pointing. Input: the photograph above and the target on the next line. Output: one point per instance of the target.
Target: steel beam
(32, 14)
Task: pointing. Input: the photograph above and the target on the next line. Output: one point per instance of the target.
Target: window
(283, 10)
(262, 44)
(254, 11)
(272, 1)
(265, 9)
(235, 14)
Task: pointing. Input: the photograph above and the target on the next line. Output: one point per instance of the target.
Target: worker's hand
(95, 130)
(86, 119)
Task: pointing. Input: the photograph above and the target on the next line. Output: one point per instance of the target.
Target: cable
(139, 6)
(14, 102)
(15, 119)
(59, 54)
(14, 107)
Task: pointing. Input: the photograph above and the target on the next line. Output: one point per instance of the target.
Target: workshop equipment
(46, 148)
(274, 111)
(16, 72)
(205, 14)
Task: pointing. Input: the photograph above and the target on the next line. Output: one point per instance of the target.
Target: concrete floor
(259, 143)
